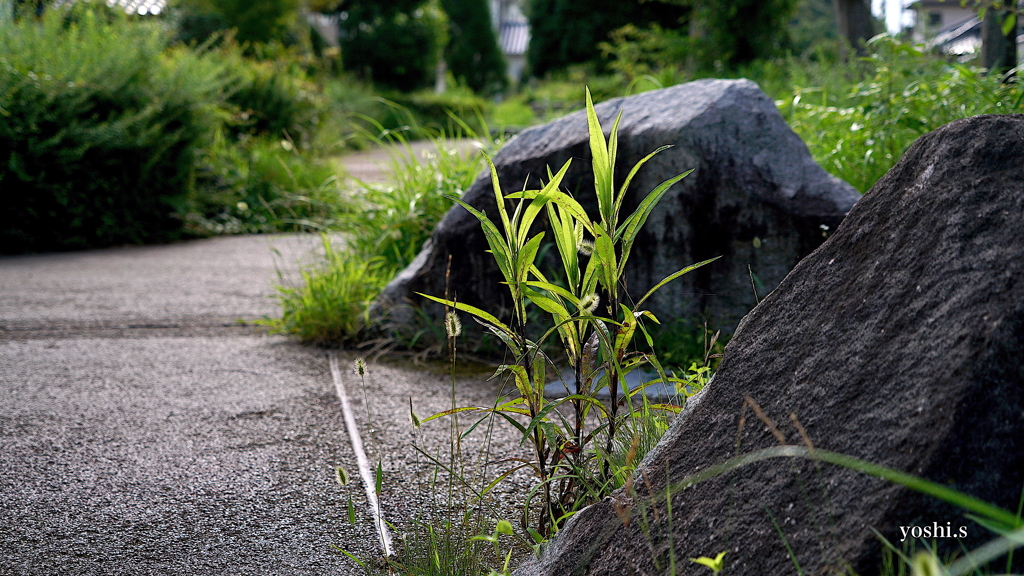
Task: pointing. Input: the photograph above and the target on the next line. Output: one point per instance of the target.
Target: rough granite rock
(756, 198)
(899, 341)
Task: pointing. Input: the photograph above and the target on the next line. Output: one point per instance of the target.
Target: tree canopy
(473, 55)
(564, 32)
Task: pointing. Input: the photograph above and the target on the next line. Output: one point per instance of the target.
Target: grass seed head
(452, 325)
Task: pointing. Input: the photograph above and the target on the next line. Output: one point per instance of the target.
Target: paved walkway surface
(144, 430)
(373, 165)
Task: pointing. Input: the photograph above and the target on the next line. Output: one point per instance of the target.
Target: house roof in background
(130, 6)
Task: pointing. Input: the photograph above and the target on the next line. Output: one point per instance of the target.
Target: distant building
(513, 32)
(142, 7)
(950, 28)
(933, 16)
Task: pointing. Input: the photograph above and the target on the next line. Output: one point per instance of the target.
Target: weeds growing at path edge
(379, 239)
(583, 449)
(572, 460)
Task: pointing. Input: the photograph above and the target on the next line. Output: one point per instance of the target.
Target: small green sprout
(716, 564)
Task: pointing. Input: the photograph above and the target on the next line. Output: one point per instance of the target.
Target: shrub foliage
(97, 142)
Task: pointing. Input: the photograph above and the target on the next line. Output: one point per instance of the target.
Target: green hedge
(100, 131)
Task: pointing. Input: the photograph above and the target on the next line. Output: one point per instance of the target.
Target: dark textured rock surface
(898, 341)
(756, 197)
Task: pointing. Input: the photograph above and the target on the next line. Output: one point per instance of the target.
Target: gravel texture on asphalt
(143, 431)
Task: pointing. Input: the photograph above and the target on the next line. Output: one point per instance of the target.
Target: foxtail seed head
(585, 247)
(452, 325)
(360, 367)
(589, 303)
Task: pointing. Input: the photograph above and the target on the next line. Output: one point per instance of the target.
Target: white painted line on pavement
(365, 471)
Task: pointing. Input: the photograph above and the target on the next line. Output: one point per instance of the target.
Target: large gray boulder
(899, 341)
(756, 198)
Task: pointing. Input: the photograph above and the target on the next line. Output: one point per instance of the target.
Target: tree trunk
(855, 24)
(998, 50)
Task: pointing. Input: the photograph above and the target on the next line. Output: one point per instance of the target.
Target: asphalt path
(147, 427)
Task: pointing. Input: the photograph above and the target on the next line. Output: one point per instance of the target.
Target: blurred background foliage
(229, 116)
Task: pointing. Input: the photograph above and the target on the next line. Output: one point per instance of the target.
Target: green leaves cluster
(98, 143)
(858, 132)
(567, 457)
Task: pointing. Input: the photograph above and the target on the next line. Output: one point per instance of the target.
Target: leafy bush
(566, 32)
(273, 98)
(264, 185)
(431, 113)
(394, 44)
(472, 54)
(383, 233)
(98, 143)
(330, 304)
(561, 93)
(251, 20)
(859, 131)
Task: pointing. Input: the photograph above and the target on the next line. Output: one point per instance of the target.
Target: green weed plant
(571, 463)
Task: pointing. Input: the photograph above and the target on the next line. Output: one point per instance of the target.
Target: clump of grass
(384, 226)
(396, 217)
(330, 305)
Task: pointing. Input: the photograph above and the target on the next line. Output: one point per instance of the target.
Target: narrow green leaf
(672, 277)
(632, 173)
(498, 197)
(546, 193)
(515, 423)
(521, 380)
(506, 337)
(412, 415)
(563, 229)
(604, 250)
(540, 420)
(599, 153)
(499, 247)
(351, 511)
(624, 333)
(490, 486)
(526, 257)
(626, 234)
(546, 303)
(351, 556)
(591, 276)
(565, 201)
(379, 480)
(485, 316)
(556, 289)
(613, 150)
(939, 491)
(1009, 23)
(451, 411)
